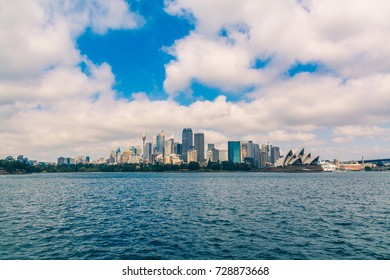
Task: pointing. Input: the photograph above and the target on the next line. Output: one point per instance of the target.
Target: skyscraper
(168, 147)
(275, 154)
(177, 148)
(160, 138)
(187, 143)
(199, 146)
(234, 151)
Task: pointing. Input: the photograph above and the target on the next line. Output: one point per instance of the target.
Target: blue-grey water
(195, 216)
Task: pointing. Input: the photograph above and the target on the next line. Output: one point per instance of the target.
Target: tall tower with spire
(143, 144)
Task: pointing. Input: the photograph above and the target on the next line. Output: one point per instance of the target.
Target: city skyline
(85, 77)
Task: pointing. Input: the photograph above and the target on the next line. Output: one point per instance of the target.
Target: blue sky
(137, 57)
(84, 77)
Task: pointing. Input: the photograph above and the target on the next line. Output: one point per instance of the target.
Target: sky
(83, 77)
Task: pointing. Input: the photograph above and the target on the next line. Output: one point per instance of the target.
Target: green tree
(193, 166)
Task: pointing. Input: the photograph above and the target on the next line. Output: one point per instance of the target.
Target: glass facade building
(234, 151)
(187, 143)
(199, 146)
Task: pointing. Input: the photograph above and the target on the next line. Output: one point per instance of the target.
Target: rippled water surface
(195, 216)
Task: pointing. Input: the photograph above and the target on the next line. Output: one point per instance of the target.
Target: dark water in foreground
(195, 216)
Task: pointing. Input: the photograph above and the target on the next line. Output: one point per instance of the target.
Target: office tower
(168, 147)
(275, 154)
(223, 155)
(67, 161)
(87, 159)
(199, 146)
(187, 143)
(148, 151)
(210, 146)
(61, 161)
(126, 156)
(244, 151)
(177, 148)
(257, 155)
(247, 151)
(192, 155)
(250, 150)
(234, 151)
(80, 159)
(160, 138)
(112, 157)
(264, 156)
(212, 154)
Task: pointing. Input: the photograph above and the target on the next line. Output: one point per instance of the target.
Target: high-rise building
(244, 151)
(212, 155)
(234, 151)
(192, 155)
(257, 155)
(148, 151)
(264, 156)
(168, 147)
(177, 148)
(160, 138)
(187, 143)
(275, 154)
(126, 156)
(61, 161)
(87, 159)
(112, 157)
(210, 146)
(223, 155)
(199, 146)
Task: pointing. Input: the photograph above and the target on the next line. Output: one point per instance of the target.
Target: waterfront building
(160, 138)
(126, 156)
(212, 154)
(168, 147)
(148, 151)
(192, 155)
(256, 155)
(297, 157)
(223, 155)
(135, 159)
(175, 159)
(199, 146)
(247, 151)
(263, 156)
(234, 151)
(80, 159)
(187, 143)
(177, 148)
(87, 160)
(61, 161)
(67, 161)
(112, 157)
(275, 154)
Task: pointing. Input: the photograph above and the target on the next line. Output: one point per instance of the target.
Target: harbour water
(195, 216)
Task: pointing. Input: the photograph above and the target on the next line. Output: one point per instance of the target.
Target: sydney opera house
(297, 160)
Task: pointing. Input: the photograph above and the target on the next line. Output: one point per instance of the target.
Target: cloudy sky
(82, 77)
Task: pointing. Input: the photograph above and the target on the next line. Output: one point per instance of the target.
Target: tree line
(11, 166)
